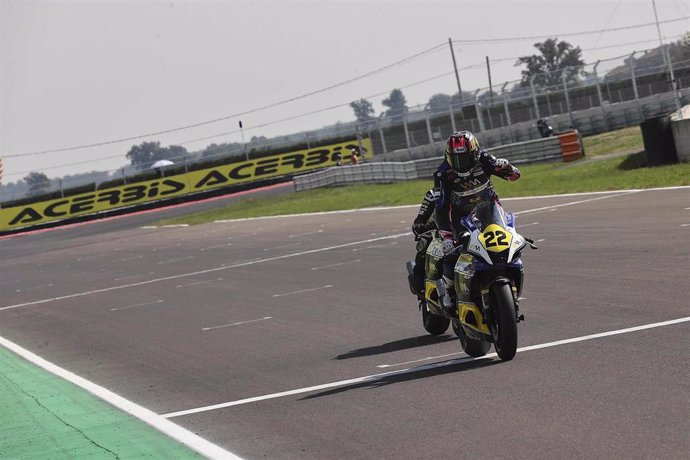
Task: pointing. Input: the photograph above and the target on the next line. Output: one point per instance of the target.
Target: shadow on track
(404, 344)
(431, 370)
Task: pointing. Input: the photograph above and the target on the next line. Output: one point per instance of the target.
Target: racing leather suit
(459, 193)
(423, 223)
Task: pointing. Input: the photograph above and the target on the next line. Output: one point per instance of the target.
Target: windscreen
(487, 213)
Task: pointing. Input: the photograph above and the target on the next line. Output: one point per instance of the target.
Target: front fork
(487, 311)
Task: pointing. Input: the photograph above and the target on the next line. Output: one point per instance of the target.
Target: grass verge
(616, 173)
(626, 140)
(545, 179)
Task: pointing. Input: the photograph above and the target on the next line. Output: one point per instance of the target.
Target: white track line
(304, 290)
(337, 265)
(127, 259)
(375, 377)
(158, 422)
(224, 245)
(271, 259)
(203, 272)
(407, 206)
(35, 288)
(236, 324)
(197, 283)
(305, 234)
(577, 202)
(137, 305)
(172, 261)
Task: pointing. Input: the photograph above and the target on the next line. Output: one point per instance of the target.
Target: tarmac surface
(297, 337)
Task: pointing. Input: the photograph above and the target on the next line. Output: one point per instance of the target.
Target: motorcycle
(544, 127)
(488, 281)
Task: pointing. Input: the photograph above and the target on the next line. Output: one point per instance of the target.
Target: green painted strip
(43, 416)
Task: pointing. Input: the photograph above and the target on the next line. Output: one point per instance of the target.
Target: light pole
(457, 76)
(246, 154)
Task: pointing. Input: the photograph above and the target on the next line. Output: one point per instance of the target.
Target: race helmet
(462, 151)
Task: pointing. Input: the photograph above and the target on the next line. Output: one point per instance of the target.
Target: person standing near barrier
(354, 158)
(463, 181)
(545, 129)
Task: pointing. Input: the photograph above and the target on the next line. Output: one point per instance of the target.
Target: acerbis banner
(177, 185)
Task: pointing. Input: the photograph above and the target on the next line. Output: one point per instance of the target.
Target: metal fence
(629, 92)
(420, 163)
(611, 94)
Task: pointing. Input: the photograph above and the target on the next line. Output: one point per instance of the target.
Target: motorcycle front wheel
(504, 327)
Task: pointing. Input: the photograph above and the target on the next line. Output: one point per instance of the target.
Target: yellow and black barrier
(176, 186)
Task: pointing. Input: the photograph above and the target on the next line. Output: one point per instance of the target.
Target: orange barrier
(571, 146)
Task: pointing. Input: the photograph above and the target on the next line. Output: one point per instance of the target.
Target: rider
(462, 181)
(422, 223)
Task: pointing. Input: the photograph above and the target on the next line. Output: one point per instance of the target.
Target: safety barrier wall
(681, 138)
(587, 122)
(174, 186)
(423, 161)
(536, 150)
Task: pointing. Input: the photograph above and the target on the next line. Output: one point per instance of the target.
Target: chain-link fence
(606, 95)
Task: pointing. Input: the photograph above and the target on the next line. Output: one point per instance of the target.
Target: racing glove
(417, 228)
(506, 170)
(448, 244)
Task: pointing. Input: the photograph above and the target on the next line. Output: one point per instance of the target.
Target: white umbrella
(161, 163)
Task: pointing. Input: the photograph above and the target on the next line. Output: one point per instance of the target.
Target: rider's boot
(446, 294)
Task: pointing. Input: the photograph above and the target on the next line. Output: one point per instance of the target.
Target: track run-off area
(297, 336)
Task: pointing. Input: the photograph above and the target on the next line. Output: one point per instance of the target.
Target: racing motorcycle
(488, 281)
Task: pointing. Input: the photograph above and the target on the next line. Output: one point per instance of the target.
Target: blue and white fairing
(493, 237)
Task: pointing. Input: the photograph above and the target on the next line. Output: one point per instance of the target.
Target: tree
(363, 109)
(439, 102)
(556, 57)
(37, 182)
(396, 103)
(172, 152)
(144, 154)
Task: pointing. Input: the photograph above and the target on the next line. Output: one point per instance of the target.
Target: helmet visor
(461, 161)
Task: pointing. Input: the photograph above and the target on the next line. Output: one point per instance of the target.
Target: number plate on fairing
(495, 239)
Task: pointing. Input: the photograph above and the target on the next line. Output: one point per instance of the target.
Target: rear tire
(504, 329)
(434, 325)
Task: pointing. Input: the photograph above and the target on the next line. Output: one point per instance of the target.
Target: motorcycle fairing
(473, 322)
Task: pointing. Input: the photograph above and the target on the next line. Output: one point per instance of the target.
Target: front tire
(434, 325)
(504, 329)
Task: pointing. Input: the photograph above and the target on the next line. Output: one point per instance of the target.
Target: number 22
(498, 235)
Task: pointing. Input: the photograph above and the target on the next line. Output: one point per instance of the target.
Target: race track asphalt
(287, 324)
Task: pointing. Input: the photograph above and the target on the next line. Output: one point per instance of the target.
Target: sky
(75, 73)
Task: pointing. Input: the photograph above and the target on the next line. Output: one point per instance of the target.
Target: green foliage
(555, 57)
(37, 182)
(626, 140)
(363, 109)
(144, 154)
(650, 62)
(620, 173)
(439, 102)
(396, 103)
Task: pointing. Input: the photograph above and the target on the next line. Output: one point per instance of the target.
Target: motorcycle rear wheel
(434, 325)
(504, 329)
